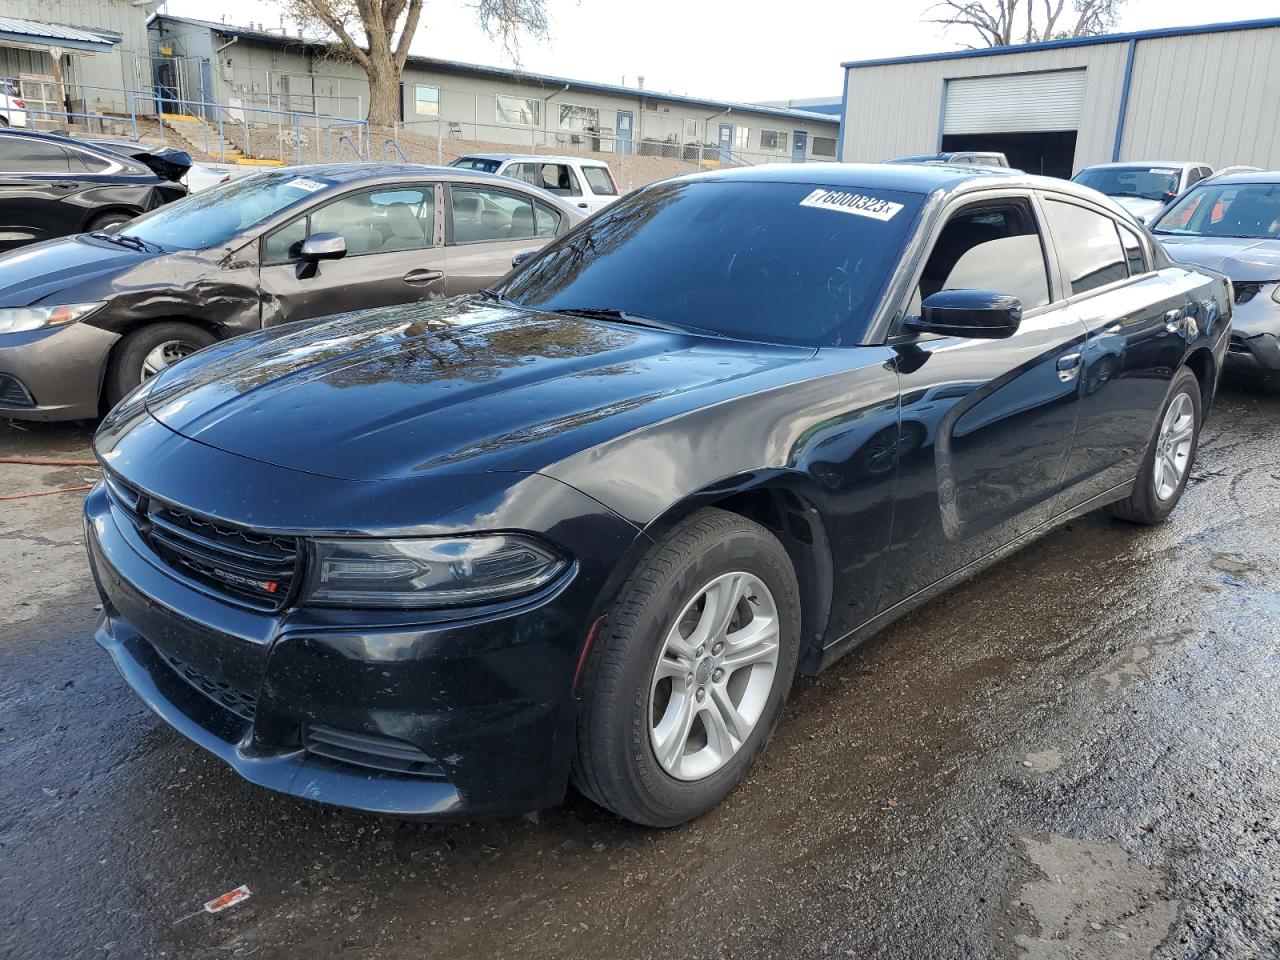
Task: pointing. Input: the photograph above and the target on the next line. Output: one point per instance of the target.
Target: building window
(824, 146)
(524, 111)
(690, 131)
(573, 117)
(426, 100)
(741, 138)
(773, 140)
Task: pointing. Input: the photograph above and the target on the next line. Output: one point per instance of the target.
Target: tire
(130, 363)
(615, 764)
(109, 219)
(1146, 504)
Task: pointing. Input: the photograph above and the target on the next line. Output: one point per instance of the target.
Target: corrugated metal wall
(1207, 96)
(1213, 97)
(896, 110)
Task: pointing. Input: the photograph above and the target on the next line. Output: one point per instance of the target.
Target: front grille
(251, 569)
(243, 705)
(369, 751)
(13, 393)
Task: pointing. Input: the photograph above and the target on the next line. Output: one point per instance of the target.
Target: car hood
(1242, 259)
(66, 265)
(1140, 207)
(447, 385)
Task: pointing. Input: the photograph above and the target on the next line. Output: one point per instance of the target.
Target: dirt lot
(1074, 756)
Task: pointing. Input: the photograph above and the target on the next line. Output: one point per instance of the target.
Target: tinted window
(1089, 244)
(600, 180)
(481, 214)
(1227, 210)
(216, 215)
(547, 221)
(1133, 251)
(780, 262)
(1150, 183)
(24, 155)
(89, 162)
(989, 248)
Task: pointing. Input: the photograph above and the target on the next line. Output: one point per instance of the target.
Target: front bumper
(1255, 333)
(480, 708)
(58, 372)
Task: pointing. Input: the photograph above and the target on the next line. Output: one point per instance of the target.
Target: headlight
(427, 572)
(17, 319)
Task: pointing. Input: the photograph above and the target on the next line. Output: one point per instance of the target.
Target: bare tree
(376, 34)
(1000, 23)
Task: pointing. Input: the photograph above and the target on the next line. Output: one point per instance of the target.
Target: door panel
(799, 146)
(986, 425)
(393, 256)
(37, 192)
(487, 228)
(623, 131)
(726, 140)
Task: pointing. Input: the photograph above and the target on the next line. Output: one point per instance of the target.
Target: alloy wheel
(165, 355)
(713, 678)
(1173, 446)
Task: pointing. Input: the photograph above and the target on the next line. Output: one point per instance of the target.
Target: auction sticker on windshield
(307, 184)
(856, 203)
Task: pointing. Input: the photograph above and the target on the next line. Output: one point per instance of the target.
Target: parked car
(587, 184)
(976, 158)
(13, 110)
(439, 559)
(85, 319)
(1144, 188)
(53, 186)
(1232, 171)
(194, 176)
(1232, 224)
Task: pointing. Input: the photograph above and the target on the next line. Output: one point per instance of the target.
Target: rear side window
(23, 155)
(993, 247)
(1089, 244)
(481, 214)
(600, 181)
(1133, 253)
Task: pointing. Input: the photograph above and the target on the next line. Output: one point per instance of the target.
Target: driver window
(995, 246)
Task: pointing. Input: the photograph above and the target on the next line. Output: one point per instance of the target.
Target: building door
(623, 131)
(1031, 118)
(799, 146)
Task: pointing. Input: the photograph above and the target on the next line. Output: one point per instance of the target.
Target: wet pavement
(1073, 756)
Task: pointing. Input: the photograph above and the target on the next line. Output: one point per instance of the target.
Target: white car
(1144, 188)
(586, 184)
(13, 111)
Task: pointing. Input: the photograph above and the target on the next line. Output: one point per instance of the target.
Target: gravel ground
(1073, 756)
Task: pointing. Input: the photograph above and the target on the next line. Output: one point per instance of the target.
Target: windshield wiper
(634, 319)
(487, 294)
(124, 240)
(1139, 196)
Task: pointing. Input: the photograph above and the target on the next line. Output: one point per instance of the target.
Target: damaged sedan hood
(448, 385)
(1243, 259)
(79, 267)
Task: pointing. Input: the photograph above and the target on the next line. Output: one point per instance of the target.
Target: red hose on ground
(39, 462)
(45, 493)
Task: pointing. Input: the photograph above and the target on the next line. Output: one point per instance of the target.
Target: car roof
(1123, 164)
(1256, 176)
(535, 157)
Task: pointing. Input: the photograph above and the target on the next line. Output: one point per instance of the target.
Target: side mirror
(520, 258)
(978, 314)
(323, 246)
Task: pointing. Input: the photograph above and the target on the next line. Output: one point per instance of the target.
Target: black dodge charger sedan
(443, 559)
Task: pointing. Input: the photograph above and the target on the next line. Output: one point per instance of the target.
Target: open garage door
(1032, 118)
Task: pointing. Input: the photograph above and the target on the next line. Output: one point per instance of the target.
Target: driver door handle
(1173, 321)
(423, 276)
(1068, 366)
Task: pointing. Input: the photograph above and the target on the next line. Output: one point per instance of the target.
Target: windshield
(1225, 210)
(214, 216)
(1150, 183)
(777, 262)
(477, 163)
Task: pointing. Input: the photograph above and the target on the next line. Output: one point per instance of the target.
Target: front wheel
(105, 220)
(1166, 466)
(688, 677)
(145, 353)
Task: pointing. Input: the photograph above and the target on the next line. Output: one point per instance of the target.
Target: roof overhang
(36, 35)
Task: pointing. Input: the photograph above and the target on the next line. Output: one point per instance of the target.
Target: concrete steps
(203, 137)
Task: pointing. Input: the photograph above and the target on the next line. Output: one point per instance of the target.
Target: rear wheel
(145, 353)
(1167, 464)
(687, 681)
(104, 220)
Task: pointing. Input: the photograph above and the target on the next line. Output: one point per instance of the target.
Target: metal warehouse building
(1196, 93)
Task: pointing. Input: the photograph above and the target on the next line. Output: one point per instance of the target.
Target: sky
(711, 48)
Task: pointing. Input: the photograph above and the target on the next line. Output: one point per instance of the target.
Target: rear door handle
(1068, 366)
(583, 206)
(423, 276)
